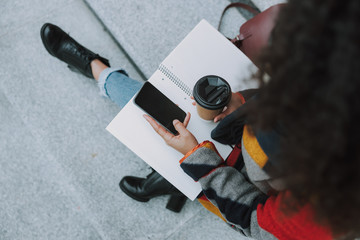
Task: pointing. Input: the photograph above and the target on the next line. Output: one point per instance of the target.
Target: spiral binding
(175, 79)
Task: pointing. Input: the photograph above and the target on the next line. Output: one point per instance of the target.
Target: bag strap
(240, 5)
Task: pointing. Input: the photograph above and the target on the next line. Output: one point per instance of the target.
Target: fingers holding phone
(166, 118)
(183, 142)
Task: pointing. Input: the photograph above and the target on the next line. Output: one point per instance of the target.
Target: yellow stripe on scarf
(253, 148)
(209, 206)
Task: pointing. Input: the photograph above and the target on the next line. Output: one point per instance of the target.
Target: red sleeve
(299, 225)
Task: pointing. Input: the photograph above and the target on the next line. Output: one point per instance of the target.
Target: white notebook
(204, 51)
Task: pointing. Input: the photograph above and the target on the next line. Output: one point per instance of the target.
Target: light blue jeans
(115, 84)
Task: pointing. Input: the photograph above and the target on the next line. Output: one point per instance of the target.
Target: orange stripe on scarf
(211, 207)
(253, 148)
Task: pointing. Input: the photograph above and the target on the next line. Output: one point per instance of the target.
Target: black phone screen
(159, 107)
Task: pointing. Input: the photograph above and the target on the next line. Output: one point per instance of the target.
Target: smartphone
(159, 107)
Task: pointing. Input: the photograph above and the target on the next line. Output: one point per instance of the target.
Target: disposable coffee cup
(211, 93)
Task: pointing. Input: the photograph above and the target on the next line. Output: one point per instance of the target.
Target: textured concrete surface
(59, 168)
(149, 30)
(37, 199)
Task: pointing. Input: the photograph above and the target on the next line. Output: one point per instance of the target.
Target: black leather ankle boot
(62, 46)
(143, 189)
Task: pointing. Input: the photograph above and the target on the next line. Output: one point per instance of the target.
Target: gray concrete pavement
(150, 30)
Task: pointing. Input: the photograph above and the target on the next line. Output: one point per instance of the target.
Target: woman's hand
(235, 103)
(183, 142)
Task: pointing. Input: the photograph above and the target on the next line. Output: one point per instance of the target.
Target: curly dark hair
(314, 94)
